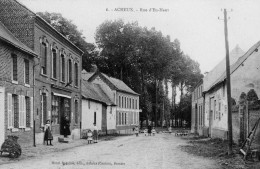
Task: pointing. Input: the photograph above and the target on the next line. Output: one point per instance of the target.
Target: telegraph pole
(230, 133)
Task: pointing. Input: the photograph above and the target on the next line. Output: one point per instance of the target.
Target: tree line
(145, 59)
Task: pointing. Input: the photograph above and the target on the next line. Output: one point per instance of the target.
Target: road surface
(161, 151)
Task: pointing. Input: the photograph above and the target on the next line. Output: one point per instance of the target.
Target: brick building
(57, 71)
(16, 87)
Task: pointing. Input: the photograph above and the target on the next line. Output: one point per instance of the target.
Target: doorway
(65, 107)
(211, 111)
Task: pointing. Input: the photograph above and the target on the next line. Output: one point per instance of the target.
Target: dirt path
(130, 152)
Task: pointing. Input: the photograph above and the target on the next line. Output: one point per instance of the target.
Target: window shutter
(31, 118)
(10, 112)
(20, 110)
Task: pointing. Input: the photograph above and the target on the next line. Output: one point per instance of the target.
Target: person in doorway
(66, 124)
(47, 133)
(95, 133)
(136, 131)
(149, 130)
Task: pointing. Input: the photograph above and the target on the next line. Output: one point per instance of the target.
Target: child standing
(47, 133)
(89, 136)
(153, 131)
(136, 131)
(145, 132)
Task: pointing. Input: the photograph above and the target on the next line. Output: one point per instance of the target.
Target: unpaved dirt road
(154, 152)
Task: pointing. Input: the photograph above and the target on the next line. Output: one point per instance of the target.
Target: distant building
(198, 116)
(97, 108)
(127, 101)
(16, 87)
(57, 70)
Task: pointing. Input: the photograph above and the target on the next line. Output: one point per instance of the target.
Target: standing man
(66, 124)
(95, 133)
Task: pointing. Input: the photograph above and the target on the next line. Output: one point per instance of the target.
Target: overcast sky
(194, 22)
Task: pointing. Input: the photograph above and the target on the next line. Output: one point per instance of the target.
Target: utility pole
(230, 133)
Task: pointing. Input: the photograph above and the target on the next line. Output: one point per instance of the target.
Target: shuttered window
(15, 68)
(31, 117)
(44, 58)
(10, 111)
(26, 72)
(28, 111)
(15, 110)
(22, 114)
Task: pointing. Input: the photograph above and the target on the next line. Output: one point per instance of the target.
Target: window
(54, 63)
(130, 104)
(15, 68)
(62, 68)
(119, 101)
(76, 111)
(125, 118)
(43, 108)
(55, 109)
(44, 58)
(122, 105)
(26, 72)
(89, 104)
(95, 118)
(120, 120)
(125, 102)
(28, 111)
(69, 71)
(10, 107)
(76, 75)
(15, 110)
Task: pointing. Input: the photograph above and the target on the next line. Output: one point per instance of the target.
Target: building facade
(16, 88)
(57, 70)
(127, 101)
(97, 109)
(198, 116)
(244, 76)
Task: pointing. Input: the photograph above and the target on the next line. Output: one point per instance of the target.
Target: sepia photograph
(129, 84)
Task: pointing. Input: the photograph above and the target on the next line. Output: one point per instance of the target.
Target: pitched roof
(236, 65)
(94, 92)
(8, 37)
(86, 75)
(220, 68)
(116, 83)
(119, 84)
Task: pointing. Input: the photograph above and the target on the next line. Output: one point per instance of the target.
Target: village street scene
(129, 84)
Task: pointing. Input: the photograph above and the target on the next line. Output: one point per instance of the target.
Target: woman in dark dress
(47, 133)
(66, 124)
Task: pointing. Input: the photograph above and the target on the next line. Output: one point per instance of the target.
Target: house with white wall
(244, 75)
(127, 101)
(97, 108)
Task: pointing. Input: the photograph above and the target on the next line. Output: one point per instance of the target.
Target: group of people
(48, 137)
(150, 130)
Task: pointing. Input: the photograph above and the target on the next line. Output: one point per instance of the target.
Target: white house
(127, 101)
(244, 75)
(97, 108)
